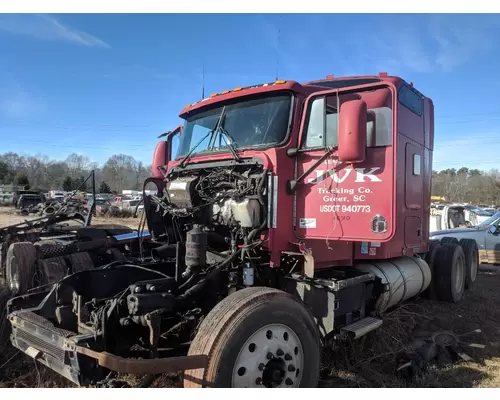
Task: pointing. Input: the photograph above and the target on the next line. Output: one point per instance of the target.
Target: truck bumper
(56, 349)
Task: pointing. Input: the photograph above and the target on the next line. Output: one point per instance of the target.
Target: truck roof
(302, 88)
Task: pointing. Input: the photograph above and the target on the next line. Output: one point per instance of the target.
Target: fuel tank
(403, 278)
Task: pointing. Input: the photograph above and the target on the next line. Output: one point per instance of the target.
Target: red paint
(163, 152)
(159, 158)
(352, 131)
(217, 98)
(385, 177)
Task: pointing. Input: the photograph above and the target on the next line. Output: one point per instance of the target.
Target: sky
(101, 84)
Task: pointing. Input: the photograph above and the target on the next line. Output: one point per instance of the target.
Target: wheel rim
(459, 274)
(12, 272)
(473, 268)
(271, 357)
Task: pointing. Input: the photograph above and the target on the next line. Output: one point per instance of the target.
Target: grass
(371, 362)
(9, 216)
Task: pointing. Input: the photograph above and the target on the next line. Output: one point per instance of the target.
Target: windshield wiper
(229, 139)
(213, 133)
(182, 164)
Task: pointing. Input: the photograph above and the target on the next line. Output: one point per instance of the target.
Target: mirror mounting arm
(292, 184)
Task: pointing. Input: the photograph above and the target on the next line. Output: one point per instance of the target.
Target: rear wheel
(450, 271)
(20, 267)
(257, 337)
(431, 259)
(448, 239)
(471, 253)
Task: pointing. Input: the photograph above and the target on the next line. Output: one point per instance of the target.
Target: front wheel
(257, 337)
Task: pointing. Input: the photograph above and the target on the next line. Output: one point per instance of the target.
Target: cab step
(361, 327)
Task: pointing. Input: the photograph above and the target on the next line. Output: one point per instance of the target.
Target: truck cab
(349, 161)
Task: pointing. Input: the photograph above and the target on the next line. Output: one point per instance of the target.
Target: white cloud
(412, 43)
(46, 27)
(461, 37)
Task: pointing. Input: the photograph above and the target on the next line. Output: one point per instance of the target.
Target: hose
(253, 233)
(135, 266)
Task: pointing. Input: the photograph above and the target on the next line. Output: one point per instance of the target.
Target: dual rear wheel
(454, 265)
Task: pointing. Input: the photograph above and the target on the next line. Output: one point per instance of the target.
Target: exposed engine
(218, 208)
(230, 198)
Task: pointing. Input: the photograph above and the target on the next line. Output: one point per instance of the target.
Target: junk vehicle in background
(290, 215)
(45, 249)
(451, 216)
(30, 200)
(486, 235)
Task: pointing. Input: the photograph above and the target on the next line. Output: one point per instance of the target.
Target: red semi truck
(290, 215)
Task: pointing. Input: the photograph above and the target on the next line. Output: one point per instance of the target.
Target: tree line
(122, 171)
(466, 185)
(119, 172)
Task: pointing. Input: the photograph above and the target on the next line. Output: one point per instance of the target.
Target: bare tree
(120, 171)
(77, 163)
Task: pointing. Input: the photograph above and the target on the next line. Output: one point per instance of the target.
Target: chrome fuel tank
(403, 278)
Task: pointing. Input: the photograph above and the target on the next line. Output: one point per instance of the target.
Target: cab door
(318, 135)
(338, 200)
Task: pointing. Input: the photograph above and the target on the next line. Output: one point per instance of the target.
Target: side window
(175, 146)
(321, 130)
(410, 99)
(322, 125)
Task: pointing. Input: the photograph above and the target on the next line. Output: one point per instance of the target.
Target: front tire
(257, 337)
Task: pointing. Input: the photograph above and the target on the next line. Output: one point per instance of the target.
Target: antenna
(278, 49)
(203, 81)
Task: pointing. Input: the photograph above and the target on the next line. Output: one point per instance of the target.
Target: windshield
(480, 211)
(249, 123)
(490, 220)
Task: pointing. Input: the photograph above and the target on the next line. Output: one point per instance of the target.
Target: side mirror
(352, 132)
(492, 229)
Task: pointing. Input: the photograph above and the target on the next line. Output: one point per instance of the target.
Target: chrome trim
(275, 202)
(269, 199)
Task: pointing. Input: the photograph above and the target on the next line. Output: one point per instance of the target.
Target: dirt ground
(8, 216)
(368, 362)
